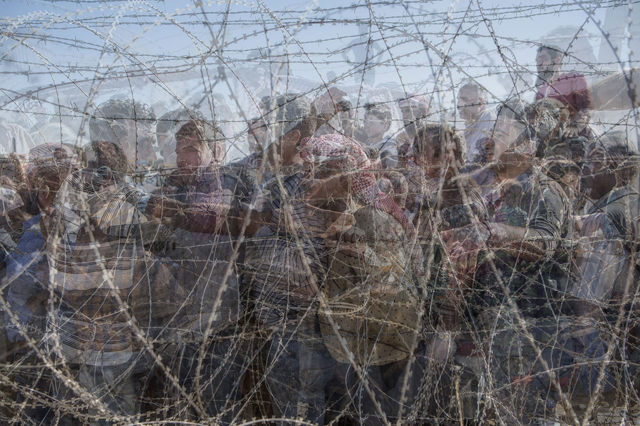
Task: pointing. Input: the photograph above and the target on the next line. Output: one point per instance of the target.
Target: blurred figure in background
(373, 135)
(479, 121)
(14, 139)
(569, 88)
(415, 110)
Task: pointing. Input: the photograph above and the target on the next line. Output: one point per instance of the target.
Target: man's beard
(544, 77)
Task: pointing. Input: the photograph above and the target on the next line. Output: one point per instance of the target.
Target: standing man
(414, 109)
(377, 121)
(285, 262)
(105, 285)
(209, 365)
(479, 122)
(569, 88)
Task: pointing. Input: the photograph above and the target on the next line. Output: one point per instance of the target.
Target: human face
(469, 104)
(191, 153)
(546, 65)
(46, 188)
(425, 157)
(411, 116)
(375, 127)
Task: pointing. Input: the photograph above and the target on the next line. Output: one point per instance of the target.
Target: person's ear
(218, 153)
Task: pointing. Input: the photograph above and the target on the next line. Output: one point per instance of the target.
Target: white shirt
(481, 129)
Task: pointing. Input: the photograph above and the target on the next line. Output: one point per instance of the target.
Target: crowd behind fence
(355, 262)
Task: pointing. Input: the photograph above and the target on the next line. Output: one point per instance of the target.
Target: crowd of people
(338, 273)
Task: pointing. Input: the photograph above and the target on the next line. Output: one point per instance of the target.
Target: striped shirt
(98, 269)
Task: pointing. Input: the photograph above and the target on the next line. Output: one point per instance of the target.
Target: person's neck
(553, 77)
(186, 177)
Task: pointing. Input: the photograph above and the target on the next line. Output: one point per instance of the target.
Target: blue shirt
(26, 277)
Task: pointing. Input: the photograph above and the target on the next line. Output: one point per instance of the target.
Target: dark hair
(480, 92)
(379, 109)
(308, 125)
(344, 105)
(622, 157)
(118, 109)
(172, 119)
(554, 51)
(51, 173)
(251, 123)
(109, 155)
(204, 131)
(564, 157)
(440, 136)
(295, 111)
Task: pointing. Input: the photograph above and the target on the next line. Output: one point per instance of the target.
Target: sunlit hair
(100, 123)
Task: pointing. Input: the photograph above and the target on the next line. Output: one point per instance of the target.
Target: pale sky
(74, 50)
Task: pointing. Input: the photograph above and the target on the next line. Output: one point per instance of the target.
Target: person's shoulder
(622, 195)
(542, 181)
(573, 78)
(553, 195)
(250, 160)
(571, 75)
(215, 176)
(229, 171)
(232, 175)
(488, 114)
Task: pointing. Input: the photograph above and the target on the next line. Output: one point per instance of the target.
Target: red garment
(570, 89)
(352, 156)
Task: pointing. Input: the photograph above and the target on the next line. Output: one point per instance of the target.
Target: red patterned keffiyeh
(348, 154)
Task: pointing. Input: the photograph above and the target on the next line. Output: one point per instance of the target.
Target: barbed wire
(245, 212)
